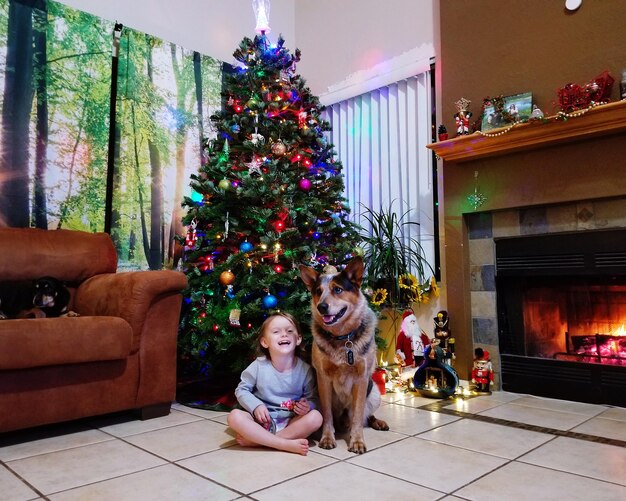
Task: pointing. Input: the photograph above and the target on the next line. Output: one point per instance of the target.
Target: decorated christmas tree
(267, 198)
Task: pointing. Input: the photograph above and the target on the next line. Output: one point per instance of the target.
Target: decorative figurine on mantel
(462, 116)
(482, 371)
(444, 335)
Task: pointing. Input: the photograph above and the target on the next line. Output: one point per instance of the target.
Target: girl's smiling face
(280, 336)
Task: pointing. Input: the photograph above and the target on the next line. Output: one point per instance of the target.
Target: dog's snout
(322, 308)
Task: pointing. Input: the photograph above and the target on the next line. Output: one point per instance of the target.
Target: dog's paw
(377, 424)
(357, 445)
(327, 442)
(71, 314)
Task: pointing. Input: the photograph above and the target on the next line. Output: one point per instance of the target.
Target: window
(380, 138)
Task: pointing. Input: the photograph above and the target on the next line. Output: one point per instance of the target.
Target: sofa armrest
(127, 295)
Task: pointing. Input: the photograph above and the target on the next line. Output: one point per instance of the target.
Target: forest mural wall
(64, 163)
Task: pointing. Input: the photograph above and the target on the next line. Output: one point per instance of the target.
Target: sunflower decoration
(434, 288)
(379, 296)
(408, 281)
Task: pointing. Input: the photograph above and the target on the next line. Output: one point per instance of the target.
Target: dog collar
(347, 336)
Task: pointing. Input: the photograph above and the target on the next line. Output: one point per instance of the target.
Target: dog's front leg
(359, 393)
(324, 387)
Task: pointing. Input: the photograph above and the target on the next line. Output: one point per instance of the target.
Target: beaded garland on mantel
(561, 115)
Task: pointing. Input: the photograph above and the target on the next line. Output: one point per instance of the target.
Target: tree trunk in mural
(65, 203)
(18, 100)
(155, 259)
(197, 76)
(40, 61)
(144, 226)
(182, 89)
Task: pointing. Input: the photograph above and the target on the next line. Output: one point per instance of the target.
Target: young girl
(277, 392)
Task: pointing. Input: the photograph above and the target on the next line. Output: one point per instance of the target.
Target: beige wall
(337, 37)
(490, 47)
(341, 37)
(212, 27)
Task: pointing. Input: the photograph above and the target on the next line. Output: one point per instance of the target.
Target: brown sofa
(119, 354)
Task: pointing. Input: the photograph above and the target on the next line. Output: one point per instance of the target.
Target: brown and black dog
(44, 297)
(344, 353)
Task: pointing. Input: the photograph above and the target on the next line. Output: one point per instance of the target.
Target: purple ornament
(305, 184)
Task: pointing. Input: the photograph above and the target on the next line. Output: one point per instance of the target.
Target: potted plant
(396, 267)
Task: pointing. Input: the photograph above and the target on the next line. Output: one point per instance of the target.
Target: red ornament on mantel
(573, 97)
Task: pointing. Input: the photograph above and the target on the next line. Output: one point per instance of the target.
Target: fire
(620, 331)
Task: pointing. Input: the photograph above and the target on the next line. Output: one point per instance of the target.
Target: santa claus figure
(411, 341)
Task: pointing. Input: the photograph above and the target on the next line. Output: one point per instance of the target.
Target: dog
(44, 297)
(343, 353)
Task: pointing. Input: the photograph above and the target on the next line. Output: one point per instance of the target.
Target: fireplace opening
(573, 319)
(561, 302)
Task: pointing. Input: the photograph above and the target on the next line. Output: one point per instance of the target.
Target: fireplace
(561, 305)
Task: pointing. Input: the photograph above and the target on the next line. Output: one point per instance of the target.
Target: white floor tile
(12, 488)
(183, 441)
(249, 469)
(373, 440)
(164, 483)
(51, 443)
(473, 405)
(536, 416)
(198, 412)
(436, 466)
(617, 413)
(59, 471)
(561, 405)
(601, 427)
(121, 426)
(345, 481)
(600, 461)
(502, 441)
(410, 421)
(522, 482)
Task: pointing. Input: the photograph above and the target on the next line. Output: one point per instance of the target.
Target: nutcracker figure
(482, 371)
(444, 335)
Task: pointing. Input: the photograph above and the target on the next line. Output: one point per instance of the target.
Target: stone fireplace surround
(484, 227)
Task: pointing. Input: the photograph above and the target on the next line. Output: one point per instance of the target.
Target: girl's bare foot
(296, 445)
(243, 442)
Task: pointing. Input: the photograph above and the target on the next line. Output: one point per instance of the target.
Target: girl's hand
(262, 415)
(302, 407)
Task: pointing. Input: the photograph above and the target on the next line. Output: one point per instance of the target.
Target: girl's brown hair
(261, 351)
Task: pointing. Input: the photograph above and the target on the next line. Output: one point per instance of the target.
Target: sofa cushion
(67, 340)
(68, 255)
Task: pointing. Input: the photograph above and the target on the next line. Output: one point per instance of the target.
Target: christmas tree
(267, 198)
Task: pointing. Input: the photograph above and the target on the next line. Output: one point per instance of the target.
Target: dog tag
(349, 353)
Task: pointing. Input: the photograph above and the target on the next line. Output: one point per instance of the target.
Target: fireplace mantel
(600, 120)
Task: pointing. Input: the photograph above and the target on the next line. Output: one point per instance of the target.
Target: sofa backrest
(68, 255)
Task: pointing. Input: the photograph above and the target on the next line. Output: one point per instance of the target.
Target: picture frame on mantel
(517, 107)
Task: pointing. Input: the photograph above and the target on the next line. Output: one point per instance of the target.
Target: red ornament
(278, 268)
(279, 226)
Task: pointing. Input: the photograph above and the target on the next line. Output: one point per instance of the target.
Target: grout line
(440, 408)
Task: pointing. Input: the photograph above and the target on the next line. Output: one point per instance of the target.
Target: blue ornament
(316, 235)
(270, 301)
(235, 128)
(246, 246)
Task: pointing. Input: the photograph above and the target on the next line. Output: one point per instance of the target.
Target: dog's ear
(309, 276)
(354, 271)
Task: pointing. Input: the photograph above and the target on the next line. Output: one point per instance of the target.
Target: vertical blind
(380, 138)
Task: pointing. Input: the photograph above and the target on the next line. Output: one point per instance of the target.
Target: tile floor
(498, 447)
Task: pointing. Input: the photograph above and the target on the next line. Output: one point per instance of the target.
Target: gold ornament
(279, 149)
(224, 184)
(227, 277)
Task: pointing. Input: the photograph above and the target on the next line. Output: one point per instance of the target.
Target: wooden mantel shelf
(598, 121)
